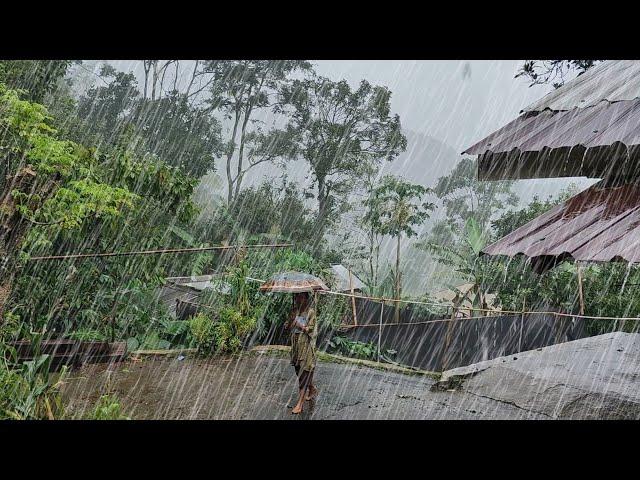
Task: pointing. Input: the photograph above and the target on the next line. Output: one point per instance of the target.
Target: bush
(225, 334)
(202, 332)
(353, 348)
(231, 329)
(108, 408)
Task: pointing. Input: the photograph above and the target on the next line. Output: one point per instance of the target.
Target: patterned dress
(303, 344)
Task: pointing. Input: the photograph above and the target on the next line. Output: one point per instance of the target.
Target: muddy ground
(263, 387)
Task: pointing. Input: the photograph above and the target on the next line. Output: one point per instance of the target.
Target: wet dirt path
(264, 387)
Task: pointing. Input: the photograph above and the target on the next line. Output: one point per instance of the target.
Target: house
(181, 294)
(345, 280)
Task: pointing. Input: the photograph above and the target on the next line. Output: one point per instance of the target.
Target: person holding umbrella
(302, 326)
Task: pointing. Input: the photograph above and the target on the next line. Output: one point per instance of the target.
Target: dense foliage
(28, 391)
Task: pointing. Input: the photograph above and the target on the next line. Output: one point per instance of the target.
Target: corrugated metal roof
(201, 282)
(610, 81)
(293, 282)
(598, 125)
(589, 127)
(600, 224)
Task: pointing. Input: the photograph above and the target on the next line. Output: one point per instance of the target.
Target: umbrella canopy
(292, 282)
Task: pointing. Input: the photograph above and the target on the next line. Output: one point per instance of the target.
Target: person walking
(302, 325)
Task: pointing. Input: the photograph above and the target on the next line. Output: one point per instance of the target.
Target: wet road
(264, 387)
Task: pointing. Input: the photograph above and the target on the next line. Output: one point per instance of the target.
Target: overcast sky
(458, 102)
(455, 101)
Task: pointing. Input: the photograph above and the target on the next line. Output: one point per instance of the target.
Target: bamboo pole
(580, 292)
(155, 252)
(492, 312)
(521, 325)
(380, 330)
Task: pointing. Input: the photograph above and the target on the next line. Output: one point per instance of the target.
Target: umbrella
(292, 282)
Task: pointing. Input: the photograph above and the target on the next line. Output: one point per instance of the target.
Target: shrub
(202, 332)
(230, 330)
(355, 349)
(108, 408)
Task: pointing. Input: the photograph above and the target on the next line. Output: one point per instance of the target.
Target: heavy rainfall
(262, 239)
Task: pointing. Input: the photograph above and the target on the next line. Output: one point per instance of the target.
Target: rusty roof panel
(589, 127)
(610, 81)
(600, 224)
(293, 282)
(600, 125)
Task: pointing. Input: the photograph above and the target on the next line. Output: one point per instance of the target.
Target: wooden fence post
(521, 325)
(580, 293)
(380, 329)
(353, 298)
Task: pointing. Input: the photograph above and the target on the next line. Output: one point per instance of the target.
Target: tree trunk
(371, 272)
(230, 181)
(154, 80)
(321, 219)
(377, 268)
(146, 66)
(243, 132)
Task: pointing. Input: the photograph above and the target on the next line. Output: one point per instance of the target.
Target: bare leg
(298, 408)
(312, 391)
(303, 382)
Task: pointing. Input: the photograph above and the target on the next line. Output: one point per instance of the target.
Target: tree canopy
(340, 132)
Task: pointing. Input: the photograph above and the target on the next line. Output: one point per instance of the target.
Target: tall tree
(169, 126)
(395, 208)
(183, 135)
(242, 89)
(340, 133)
(105, 107)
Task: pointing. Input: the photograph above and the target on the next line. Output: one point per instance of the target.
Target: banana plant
(463, 259)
